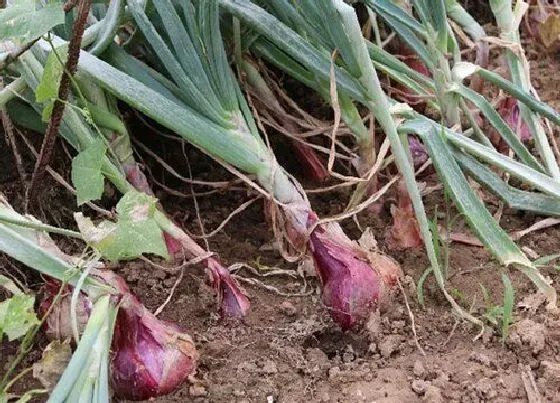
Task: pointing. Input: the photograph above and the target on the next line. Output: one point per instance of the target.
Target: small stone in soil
(197, 391)
(419, 386)
(288, 309)
(159, 273)
(389, 345)
(485, 389)
(551, 372)
(247, 366)
(269, 367)
(334, 372)
(418, 369)
(347, 357)
(317, 359)
(325, 397)
(373, 325)
(480, 358)
(433, 395)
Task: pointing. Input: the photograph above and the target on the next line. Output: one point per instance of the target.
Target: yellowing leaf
(549, 30)
(55, 359)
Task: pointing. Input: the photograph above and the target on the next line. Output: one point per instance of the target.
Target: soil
(289, 350)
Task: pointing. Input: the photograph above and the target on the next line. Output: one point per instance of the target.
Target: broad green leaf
(136, 231)
(86, 172)
(17, 316)
(21, 23)
(47, 111)
(47, 90)
(136, 206)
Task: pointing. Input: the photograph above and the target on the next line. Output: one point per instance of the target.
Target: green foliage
(509, 297)
(420, 285)
(546, 261)
(17, 316)
(86, 172)
(500, 315)
(22, 23)
(136, 231)
(47, 90)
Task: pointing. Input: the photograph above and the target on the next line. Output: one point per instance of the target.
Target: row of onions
(188, 83)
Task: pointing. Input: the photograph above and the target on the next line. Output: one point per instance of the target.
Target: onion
(509, 111)
(354, 281)
(149, 357)
(58, 326)
(233, 301)
(417, 151)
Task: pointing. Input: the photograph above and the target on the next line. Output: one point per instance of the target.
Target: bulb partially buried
(354, 281)
(149, 357)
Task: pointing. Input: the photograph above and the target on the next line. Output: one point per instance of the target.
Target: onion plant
(124, 349)
(22, 239)
(188, 86)
(109, 136)
(294, 54)
(194, 58)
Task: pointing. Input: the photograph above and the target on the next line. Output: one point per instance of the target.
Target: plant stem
(39, 226)
(63, 92)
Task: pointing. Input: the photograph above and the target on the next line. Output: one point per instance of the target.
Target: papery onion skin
(233, 301)
(58, 325)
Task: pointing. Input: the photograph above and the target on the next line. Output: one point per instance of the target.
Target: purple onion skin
(149, 357)
(509, 110)
(417, 151)
(353, 285)
(234, 303)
